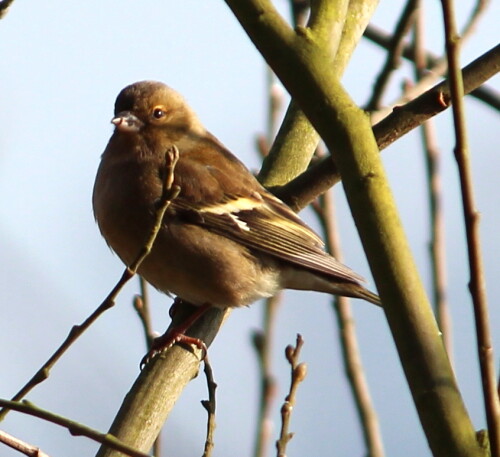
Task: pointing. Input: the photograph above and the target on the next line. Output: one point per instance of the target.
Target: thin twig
(169, 193)
(209, 405)
(325, 210)
(437, 247)
(298, 374)
(263, 343)
(21, 446)
(141, 306)
(74, 428)
(477, 284)
(394, 52)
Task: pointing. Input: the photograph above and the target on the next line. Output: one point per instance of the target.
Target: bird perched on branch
(225, 241)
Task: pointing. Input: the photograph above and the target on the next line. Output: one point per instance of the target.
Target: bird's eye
(159, 112)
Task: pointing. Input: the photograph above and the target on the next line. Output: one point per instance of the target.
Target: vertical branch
(298, 374)
(263, 339)
(477, 283)
(349, 343)
(263, 343)
(210, 406)
(434, 185)
(141, 306)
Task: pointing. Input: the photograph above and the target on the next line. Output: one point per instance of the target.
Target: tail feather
(306, 280)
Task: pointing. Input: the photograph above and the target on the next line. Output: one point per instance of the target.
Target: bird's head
(154, 111)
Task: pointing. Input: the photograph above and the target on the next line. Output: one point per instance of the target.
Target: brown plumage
(225, 240)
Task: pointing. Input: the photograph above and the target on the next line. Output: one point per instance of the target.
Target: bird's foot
(167, 340)
(176, 334)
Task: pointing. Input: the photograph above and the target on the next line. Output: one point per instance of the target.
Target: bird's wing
(264, 223)
(225, 198)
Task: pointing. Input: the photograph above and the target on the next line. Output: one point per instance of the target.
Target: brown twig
(477, 284)
(437, 230)
(325, 210)
(75, 428)
(263, 342)
(298, 374)
(21, 446)
(209, 405)
(394, 52)
(141, 306)
(169, 193)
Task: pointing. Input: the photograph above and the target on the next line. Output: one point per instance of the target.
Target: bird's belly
(202, 267)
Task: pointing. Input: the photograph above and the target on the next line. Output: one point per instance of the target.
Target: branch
(262, 342)
(437, 247)
(209, 405)
(297, 139)
(75, 428)
(304, 70)
(160, 384)
(298, 374)
(21, 446)
(394, 51)
(435, 65)
(477, 284)
(141, 306)
(318, 178)
(351, 355)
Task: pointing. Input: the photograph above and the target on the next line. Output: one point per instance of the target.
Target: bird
(224, 241)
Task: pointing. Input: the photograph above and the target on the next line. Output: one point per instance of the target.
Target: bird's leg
(176, 334)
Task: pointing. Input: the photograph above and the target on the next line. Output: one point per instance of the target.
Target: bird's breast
(124, 199)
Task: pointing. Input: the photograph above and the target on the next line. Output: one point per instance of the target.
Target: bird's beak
(127, 122)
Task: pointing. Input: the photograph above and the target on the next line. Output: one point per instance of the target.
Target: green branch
(304, 69)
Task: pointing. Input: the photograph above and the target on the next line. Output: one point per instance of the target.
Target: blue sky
(62, 67)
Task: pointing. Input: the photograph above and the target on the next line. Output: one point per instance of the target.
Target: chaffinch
(225, 240)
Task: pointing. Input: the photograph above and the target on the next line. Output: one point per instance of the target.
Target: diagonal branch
(394, 50)
(318, 178)
(75, 428)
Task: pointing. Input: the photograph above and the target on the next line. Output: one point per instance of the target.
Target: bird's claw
(166, 341)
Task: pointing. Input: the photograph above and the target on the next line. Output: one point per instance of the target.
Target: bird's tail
(365, 294)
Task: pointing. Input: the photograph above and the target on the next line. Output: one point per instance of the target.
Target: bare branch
(394, 51)
(325, 210)
(21, 446)
(263, 343)
(210, 406)
(477, 284)
(298, 374)
(75, 428)
(437, 248)
(299, 192)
